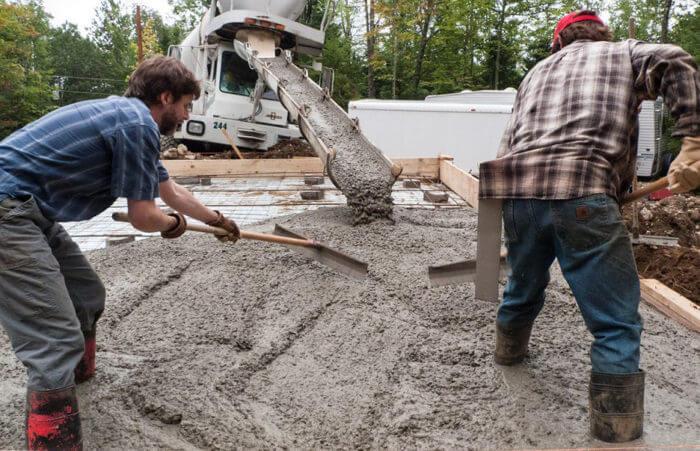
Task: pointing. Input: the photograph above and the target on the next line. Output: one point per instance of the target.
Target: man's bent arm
(180, 199)
(669, 71)
(147, 217)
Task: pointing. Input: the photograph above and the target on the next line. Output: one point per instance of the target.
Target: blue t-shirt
(77, 160)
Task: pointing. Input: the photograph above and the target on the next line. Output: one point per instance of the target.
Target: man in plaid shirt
(566, 159)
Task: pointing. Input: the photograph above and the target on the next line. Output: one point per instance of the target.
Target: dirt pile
(677, 267)
(359, 169)
(677, 216)
(253, 346)
(288, 148)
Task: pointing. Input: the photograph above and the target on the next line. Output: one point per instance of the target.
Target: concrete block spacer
(411, 183)
(312, 195)
(314, 180)
(436, 197)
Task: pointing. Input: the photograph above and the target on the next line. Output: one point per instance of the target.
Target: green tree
(25, 93)
(686, 33)
(166, 34)
(189, 12)
(113, 32)
(78, 67)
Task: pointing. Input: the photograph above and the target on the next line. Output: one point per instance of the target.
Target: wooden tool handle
(648, 189)
(123, 217)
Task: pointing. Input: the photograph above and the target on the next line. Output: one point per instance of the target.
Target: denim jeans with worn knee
(589, 239)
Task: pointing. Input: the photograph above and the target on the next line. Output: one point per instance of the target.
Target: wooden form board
(412, 167)
(462, 183)
(672, 304)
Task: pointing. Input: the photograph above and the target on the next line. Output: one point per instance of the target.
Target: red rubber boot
(53, 420)
(86, 367)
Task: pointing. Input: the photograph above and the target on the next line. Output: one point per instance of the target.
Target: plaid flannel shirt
(573, 131)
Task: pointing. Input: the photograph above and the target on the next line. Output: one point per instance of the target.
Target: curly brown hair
(586, 29)
(159, 74)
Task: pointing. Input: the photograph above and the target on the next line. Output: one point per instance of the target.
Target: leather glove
(684, 173)
(178, 229)
(227, 224)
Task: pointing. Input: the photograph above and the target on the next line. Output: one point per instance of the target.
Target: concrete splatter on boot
(53, 420)
(616, 404)
(86, 367)
(511, 344)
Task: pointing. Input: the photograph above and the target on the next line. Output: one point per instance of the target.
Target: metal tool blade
(460, 272)
(325, 255)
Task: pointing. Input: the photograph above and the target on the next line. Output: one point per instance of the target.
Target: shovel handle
(120, 216)
(648, 189)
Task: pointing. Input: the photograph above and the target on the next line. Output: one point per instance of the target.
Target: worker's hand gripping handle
(647, 189)
(121, 216)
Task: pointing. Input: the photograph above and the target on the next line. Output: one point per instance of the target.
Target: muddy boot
(86, 367)
(511, 344)
(53, 420)
(616, 404)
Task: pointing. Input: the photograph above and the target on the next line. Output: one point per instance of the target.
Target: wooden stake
(233, 144)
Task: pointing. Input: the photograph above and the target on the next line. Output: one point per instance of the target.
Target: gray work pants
(48, 293)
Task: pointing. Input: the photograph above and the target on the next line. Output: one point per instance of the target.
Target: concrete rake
(325, 255)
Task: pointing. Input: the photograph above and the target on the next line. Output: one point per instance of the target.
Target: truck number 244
(220, 125)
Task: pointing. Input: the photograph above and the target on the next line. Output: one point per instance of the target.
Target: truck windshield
(236, 76)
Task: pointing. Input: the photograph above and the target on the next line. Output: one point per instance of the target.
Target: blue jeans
(592, 244)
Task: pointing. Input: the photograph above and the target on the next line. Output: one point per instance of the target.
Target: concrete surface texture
(213, 346)
(361, 173)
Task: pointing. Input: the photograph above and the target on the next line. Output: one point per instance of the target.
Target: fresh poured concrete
(212, 346)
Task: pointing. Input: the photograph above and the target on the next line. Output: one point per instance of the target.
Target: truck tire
(167, 142)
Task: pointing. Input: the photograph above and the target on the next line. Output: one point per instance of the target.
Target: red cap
(576, 16)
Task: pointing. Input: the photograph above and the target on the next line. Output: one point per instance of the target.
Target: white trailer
(233, 101)
(469, 125)
(404, 129)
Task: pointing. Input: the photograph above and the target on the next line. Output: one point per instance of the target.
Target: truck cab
(233, 105)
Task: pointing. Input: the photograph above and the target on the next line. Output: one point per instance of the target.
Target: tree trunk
(369, 23)
(394, 69)
(425, 27)
(668, 4)
(499, 44)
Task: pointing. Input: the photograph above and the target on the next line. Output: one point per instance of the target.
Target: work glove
(178, 229)
(227, 224)
(684, 173)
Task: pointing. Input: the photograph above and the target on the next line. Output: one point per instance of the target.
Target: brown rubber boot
(53, 420)
(511, 344)
(616, 404)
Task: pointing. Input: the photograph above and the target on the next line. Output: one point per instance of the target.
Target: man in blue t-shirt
(71, 165)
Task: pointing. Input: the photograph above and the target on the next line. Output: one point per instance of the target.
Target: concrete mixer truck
(254, 93)
(235, 104)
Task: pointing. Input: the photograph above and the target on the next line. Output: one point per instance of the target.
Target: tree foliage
(25, 91)
(402, 49)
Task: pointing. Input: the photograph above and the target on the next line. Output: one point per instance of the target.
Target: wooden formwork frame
(412, 167)
(440, 168)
